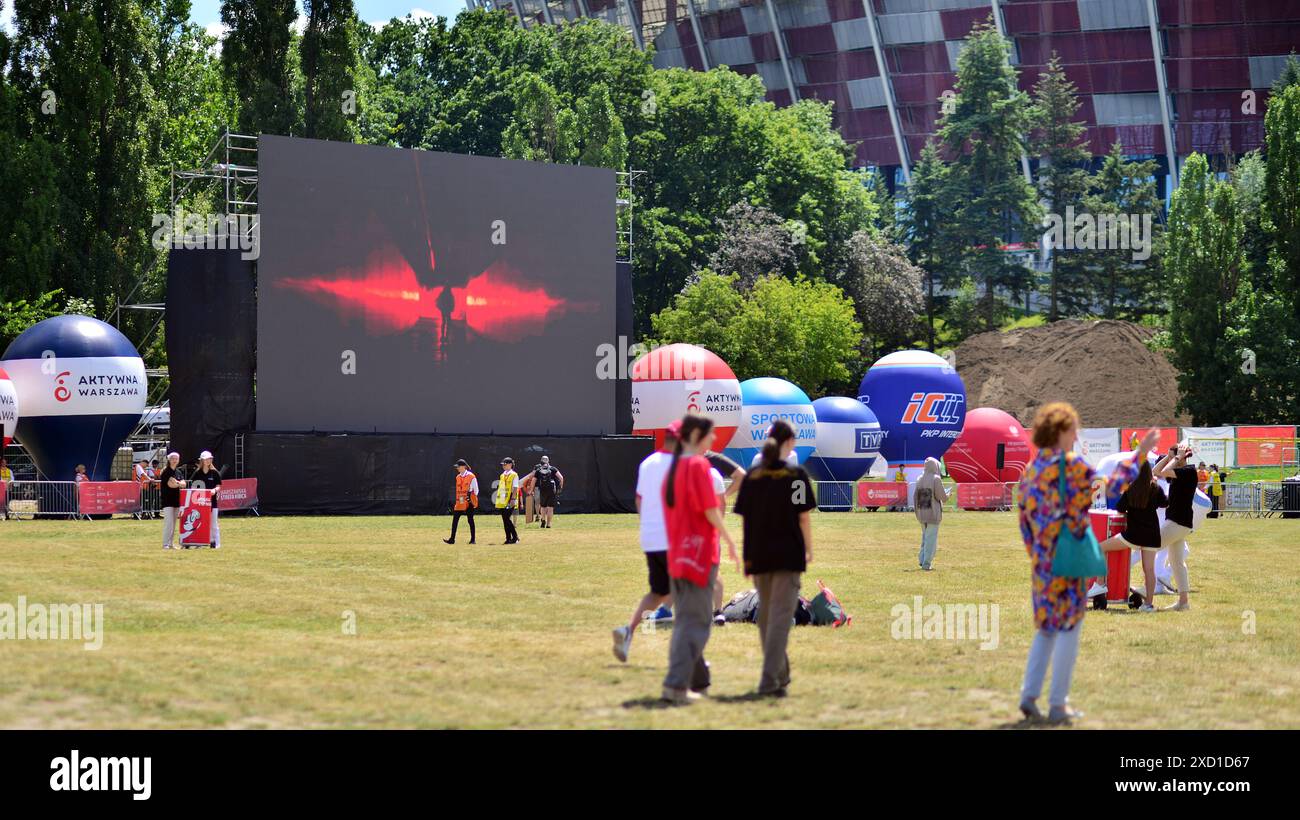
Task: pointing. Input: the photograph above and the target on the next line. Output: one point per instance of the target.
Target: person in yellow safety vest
(465, 501)
(1216, 490)
(506, 493)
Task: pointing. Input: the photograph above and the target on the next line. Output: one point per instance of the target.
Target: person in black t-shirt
(549, 481)
(1178, 518)
(727, 469)
(171, 482)
(1139, 504)
(775, 500)
(207, 477)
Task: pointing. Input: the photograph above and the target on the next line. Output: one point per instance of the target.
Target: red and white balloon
(671, 381)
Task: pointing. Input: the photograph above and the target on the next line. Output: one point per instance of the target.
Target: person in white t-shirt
(782, 435)
(654, 538)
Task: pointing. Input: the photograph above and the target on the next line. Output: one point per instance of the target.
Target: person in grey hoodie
(929, 498)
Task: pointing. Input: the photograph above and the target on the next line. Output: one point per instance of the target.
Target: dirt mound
(1103, 368)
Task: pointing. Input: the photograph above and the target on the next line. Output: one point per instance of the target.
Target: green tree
(602, 142)
(921, 228)
(798, 330)
(989, 199)
(886, 291)
(1205, 266)
(1127, 288)
(329, 58)
(1282, 191)
(255, 56)
(542, 129)
(1058, 141)
(754, 242)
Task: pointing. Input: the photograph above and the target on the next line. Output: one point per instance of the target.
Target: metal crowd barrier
(28, 499)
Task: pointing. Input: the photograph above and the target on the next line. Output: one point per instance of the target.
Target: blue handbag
(1076, 556)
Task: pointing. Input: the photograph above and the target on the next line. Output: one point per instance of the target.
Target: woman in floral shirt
(1059, 603)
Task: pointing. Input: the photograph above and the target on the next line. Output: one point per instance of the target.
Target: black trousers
(455, 520)
(507, 518)
(1214, 506)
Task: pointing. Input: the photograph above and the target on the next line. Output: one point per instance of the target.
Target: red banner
(1264, 453)
(4, 493)
(1130, 436)
(983, 496)
(196, 518)
(108, 497)
(882, 493)
(237, 494)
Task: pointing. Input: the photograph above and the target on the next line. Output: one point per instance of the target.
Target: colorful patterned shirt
(1059, 603)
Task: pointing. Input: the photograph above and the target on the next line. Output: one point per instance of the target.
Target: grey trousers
(169, 524)
(778, 594)
(692, 620)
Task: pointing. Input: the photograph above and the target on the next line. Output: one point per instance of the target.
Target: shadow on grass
(1025, 723)
(649, 703)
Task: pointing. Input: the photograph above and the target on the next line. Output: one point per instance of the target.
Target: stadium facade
(1162, 77)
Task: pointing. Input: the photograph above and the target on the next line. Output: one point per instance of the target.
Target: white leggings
(1062, 649)
(169, 524)
(1173, 537)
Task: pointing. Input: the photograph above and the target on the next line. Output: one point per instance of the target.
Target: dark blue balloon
(920, 402)
(82, 387)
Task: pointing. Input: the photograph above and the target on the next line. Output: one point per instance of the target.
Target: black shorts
(658, 564)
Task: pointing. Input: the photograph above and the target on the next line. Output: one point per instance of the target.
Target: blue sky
(207, 13)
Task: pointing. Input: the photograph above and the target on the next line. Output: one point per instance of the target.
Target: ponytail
(693, 429)
(777, 435)
(672, 472)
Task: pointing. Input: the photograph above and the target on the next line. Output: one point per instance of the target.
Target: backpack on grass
(827, 610)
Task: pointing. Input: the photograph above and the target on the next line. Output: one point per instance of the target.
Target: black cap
(460, 462)
(507, 460)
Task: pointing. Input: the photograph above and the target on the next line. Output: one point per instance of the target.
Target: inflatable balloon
(82, 386)
(920, 402)
(671, 381)
(8, 409)
(848, 439)
(973, 457)
(764, 401)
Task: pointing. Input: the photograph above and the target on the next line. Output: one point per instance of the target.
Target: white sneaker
(622, 643)
(1146, 608)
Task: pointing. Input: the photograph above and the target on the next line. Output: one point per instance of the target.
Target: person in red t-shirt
(694, 522)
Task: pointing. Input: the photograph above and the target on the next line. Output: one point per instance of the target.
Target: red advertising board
(983, 495)
(1130, 436)
(1256, 453)
(196, 518)
(237, 494)
(4, 493)
(108, 497)
(882, 493)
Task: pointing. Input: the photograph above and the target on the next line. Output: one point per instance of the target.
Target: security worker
(506, 493)
(466, 500)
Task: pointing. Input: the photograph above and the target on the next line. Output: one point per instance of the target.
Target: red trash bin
(1119, 563)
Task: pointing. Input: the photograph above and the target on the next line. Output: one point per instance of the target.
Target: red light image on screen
(497, 303)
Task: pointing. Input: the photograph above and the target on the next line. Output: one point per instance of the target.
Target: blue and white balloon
(848, 439)
(82, 386)
(920, 402)
(763, 401)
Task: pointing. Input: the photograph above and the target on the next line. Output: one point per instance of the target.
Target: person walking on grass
(1140, 503)
(929, 500)
(1056, 491)
(650, 477)
(776, 501)
(466, 500)
(1178, 518)
(693, 523)
(504, 498)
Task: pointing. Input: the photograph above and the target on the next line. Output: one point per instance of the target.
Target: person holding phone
(1178, 518)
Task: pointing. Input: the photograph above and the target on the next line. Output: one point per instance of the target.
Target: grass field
(253, 635)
